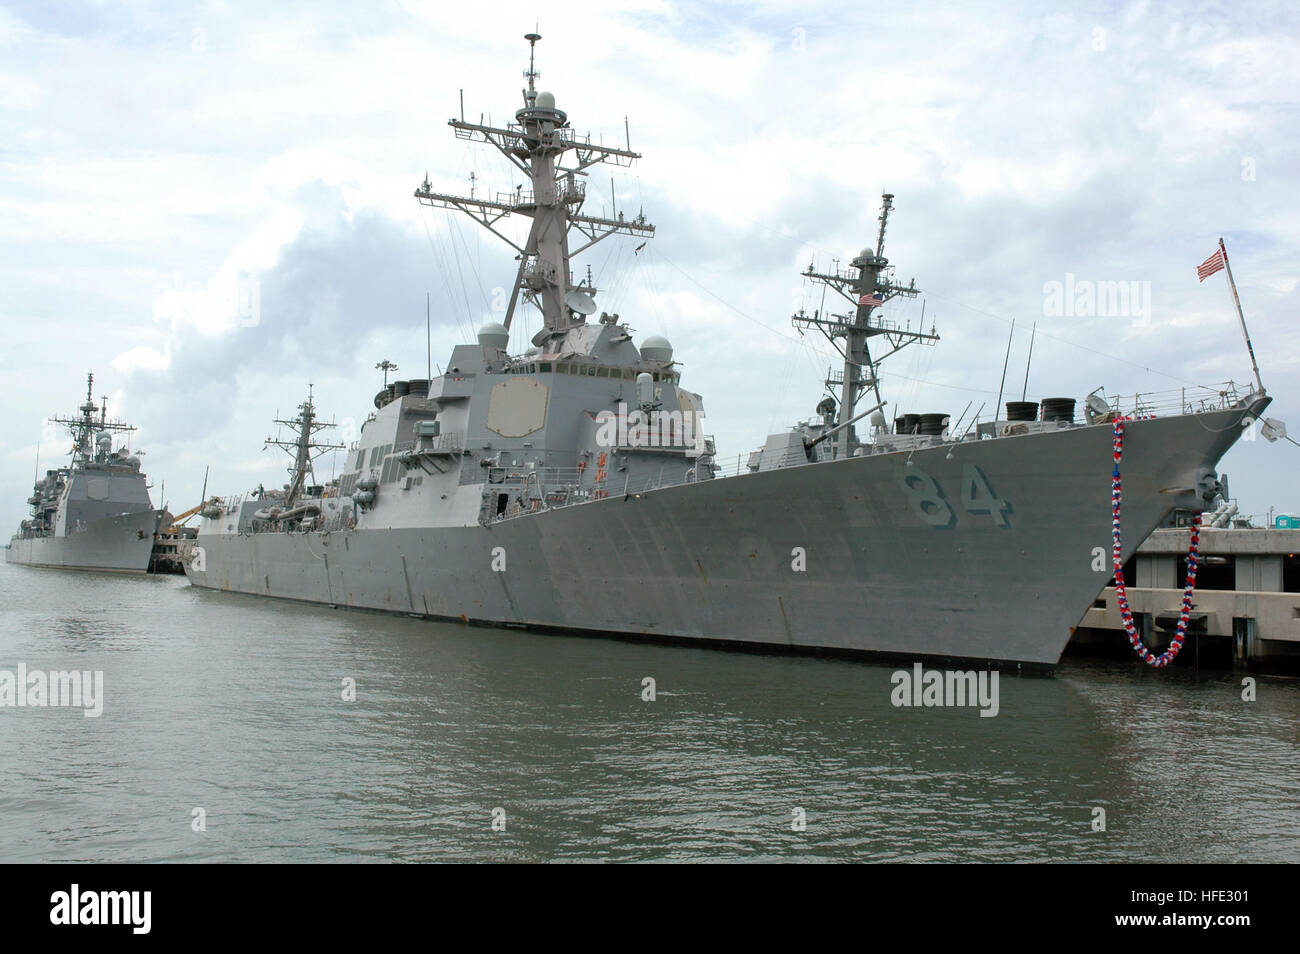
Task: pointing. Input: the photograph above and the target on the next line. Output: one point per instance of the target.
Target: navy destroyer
(572, 487)
(94, 513)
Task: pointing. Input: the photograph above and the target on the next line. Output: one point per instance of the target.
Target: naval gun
(808, 445)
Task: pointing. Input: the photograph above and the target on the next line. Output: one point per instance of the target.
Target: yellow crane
(181, 518)
(177, 521)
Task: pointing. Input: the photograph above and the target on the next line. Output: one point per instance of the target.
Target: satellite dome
(878, 420)
(657, 348)
(545, 100)
(494, 335)
(867, 253)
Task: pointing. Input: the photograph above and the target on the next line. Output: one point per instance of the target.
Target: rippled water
(234, 705)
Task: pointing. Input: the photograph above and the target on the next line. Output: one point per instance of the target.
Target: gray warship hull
(121, 543)
(845, 555)
(572, 488)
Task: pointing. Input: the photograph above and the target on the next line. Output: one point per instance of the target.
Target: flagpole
(1223, 250)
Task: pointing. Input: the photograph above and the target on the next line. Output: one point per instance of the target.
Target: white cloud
(141, 357)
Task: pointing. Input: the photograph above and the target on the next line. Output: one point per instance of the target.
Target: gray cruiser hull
(121, 543)
(990, 550)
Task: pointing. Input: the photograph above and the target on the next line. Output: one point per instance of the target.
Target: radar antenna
(83, 428)
(536, 142)
(866, 288)
(303, 447)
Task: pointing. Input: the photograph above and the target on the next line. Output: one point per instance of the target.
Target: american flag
(870, 300)
(1210, 265)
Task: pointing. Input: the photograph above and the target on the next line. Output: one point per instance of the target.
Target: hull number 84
(975, 496)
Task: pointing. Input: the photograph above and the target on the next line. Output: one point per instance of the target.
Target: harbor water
(228, 732)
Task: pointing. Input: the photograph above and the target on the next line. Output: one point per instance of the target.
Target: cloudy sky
(210, 205)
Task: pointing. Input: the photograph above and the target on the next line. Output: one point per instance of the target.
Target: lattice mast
(536, 143)
(303, 448)
(84, 428)
(866, 289)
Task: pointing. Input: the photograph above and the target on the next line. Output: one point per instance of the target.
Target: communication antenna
(580, 301)
(534, 144)
(997, 409)
(868, 286)
(1029, 360)
(531, 73)
(303, 448)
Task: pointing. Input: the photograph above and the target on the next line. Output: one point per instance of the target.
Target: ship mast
(303, 447)
(536, 143)
(867, 288)
(84, 427)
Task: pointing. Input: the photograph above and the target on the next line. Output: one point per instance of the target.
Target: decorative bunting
(1121, 590)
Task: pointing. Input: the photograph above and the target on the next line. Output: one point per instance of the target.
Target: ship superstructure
(572, 487)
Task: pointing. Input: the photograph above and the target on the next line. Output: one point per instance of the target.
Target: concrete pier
(1247, 600)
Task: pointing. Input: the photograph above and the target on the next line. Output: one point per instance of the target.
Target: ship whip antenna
(1028, 361)
(998, 408)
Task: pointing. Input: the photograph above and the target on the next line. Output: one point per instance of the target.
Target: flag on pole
(1217, 261)
(870, 300)
(1210, 265)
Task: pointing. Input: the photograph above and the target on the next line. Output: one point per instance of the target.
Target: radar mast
(866, 288)
(536, 143)
(83, 428)
(304, 448)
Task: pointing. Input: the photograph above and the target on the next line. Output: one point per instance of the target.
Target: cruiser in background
(95, 513)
